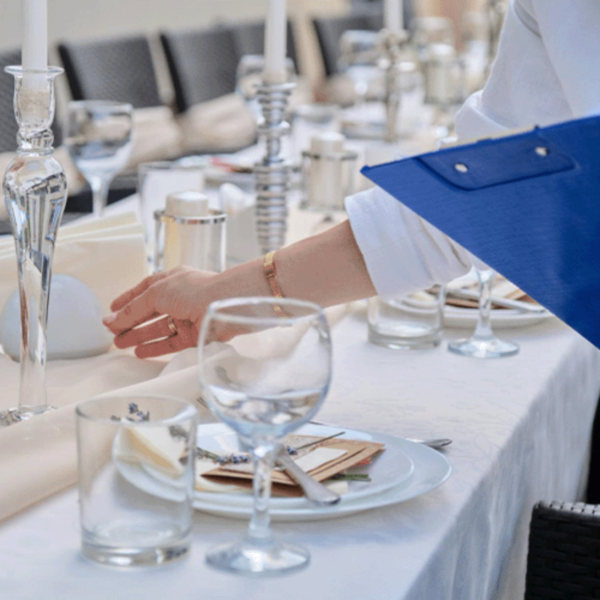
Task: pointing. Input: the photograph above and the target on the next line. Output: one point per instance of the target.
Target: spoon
(437, 443)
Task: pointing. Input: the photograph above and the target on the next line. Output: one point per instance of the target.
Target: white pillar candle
(35, 34)
(275, 42)
(393, 18)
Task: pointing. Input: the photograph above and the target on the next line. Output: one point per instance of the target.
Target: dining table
(521, 432)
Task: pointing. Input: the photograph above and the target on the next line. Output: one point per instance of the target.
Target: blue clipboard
(528, 205)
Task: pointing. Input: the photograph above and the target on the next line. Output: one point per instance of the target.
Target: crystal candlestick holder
(392, 44)
(272, 174)
(35, 192)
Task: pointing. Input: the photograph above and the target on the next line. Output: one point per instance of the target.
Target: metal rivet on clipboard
(461, 168)
(542, 151)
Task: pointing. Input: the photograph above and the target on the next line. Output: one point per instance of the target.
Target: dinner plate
(502, 318)
(389, 468)
(430, 470)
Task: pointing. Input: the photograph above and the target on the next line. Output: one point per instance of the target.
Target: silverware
(434, 443)
(315, 492)
(464, 294)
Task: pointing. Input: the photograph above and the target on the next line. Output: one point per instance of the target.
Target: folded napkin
(38, 457)
(106, 254)
(222, 123)
(156, 135)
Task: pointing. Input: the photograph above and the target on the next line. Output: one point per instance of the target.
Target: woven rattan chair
(249, 38)
(119, 69)
(202, 64)
(564, 552)
(330, 30)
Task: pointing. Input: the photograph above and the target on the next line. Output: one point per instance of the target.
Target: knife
(315, 492)
(463, 294)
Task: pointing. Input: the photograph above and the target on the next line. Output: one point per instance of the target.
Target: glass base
(135, 557)
(396, 342)
(244, 558)
(16, 415)
(486, 348)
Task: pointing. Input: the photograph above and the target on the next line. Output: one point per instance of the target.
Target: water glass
(484, 343)
(411, 322)
(156, 180)
(267, 377)
(99, 142)
(359, 60)
(136, 478)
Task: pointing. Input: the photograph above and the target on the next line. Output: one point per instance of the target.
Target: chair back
(330, 30)
(202, 64)
(249, 38)
(118, 69)
(564, 552)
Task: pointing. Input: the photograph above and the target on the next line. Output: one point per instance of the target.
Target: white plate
(431, 469)
(388, 469)
(504, 318)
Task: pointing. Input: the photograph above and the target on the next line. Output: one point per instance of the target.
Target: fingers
(140, 335)
(142, 286)
(186, 337)
(139, 310)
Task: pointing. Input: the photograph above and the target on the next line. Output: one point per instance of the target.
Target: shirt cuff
(403, 253)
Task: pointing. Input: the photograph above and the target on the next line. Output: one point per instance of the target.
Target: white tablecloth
(521, 430)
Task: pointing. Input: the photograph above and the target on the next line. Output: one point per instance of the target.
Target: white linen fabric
(517, 440)
(89, 251)
(544, 73)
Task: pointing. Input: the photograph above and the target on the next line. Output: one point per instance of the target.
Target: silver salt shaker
(188, 233)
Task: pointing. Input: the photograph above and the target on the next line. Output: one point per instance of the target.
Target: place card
(322, 461)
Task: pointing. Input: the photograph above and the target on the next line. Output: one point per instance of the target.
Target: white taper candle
(35, 34)
(275, 42)
(393, 18)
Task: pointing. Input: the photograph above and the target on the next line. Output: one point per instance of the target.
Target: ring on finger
(172, 327)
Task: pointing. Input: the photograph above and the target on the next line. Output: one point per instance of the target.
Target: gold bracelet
(271, 275)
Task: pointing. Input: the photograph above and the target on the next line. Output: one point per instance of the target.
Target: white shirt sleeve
(546, 71)
(403, 253)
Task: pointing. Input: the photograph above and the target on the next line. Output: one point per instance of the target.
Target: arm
(328, 269)
(384, 248)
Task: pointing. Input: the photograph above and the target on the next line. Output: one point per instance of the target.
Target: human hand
(141, 315)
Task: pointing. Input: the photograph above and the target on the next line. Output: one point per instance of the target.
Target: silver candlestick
(392, 45)
(35, 192)
(272, 174)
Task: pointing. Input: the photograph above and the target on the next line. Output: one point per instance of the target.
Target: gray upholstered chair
(202, 64)
(329, 31)
(249, 38)
(119, 69)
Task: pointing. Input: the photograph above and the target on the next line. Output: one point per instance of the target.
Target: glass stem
(100, 186)
(259, 531)
(484, 324)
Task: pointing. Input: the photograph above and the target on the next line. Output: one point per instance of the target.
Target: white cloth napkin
(38, 457)
(107, 254)
(222, 123)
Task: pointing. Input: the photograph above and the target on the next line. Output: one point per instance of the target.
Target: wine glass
(264, 384)
(99, 142)
(249, 76)
(359, 58)
(483, 343)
